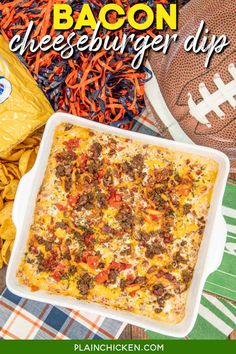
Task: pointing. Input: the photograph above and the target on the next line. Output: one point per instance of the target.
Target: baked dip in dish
(118, 222)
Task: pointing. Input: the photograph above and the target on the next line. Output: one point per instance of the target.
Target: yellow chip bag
(23, 106)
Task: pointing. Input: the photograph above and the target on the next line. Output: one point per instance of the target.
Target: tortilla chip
(6, 251)
(15, 155)
(1, 259)
(10, 190)
(14, 170)
(6, 212)
(27, 161)
(8, 230)
(4, 179)
(1, 203)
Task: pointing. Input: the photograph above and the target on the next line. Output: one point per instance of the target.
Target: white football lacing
(211, 101)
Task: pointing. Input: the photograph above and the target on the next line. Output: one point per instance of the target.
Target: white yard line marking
(217, 303)
(220, 286)
(234, 237)
(231, 275)
(231, 213)
(231, 228)
(215, 321)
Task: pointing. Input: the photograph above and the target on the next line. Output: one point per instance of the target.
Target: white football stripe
(215, 321)
(220, 286)
(217, 303)
(154, 95)
(231, 275)
(231, 213)
(231, 228)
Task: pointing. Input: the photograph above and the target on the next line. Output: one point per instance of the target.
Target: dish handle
(217, 249)
(22, 195)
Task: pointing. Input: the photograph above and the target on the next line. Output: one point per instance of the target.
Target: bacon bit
(102, 277)
(184, 190)
(72, 143)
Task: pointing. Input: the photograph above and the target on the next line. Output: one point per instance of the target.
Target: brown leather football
(192, 103)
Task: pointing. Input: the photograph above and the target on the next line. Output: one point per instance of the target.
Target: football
(192, 103)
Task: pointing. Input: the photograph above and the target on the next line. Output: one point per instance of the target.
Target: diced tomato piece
(85, 255)
(60, 207)
(125, 266)
(58, 272)
(61, 268)
(120, 266)
(34, 288)
(115, 199)
(89, 240)
(133, 293)
(72, 200)
(115, 204)
(155, 217)
(93, 261)
(57, 276)
(83, 158)
(115, 265)
(101, 174)
(102, 277)
(130, 277)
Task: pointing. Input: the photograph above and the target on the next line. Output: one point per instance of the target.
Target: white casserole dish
(210, 254)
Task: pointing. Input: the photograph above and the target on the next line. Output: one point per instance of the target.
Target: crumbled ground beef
(152, 269)
(140, 280)
(178, 258)
(158, 290)
(108, 179)
(186, 208)
(153, 250)
(60, 171)
(124, 283)
(101, 199)
(138, 162)
(125, 218)
(112, 276)
(187, 275)
(85, 201)
(68, 184)
(85, 283)
(61, 225)
(96, 150)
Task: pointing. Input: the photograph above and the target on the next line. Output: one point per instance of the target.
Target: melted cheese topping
(118, 222)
